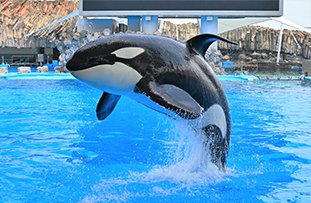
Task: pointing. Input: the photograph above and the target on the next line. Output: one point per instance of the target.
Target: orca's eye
(108, 59)
(92, 60)
(103, 59)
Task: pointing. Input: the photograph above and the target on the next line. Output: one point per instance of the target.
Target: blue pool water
(53, 149)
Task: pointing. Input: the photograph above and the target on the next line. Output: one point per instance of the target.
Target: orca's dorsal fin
(201, 43)
(106, 104)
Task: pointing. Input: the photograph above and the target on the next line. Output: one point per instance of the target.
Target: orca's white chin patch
(116, 79)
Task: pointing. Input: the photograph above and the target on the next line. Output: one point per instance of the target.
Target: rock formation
(42, 69)
(3, 70)
(24, 69)
(181, 32)
(262, 42)
(252, 40)
(21, 17)
(255, 44)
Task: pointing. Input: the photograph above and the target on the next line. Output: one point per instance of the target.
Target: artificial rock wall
(250, 39)
(21, 17)
(257, 39)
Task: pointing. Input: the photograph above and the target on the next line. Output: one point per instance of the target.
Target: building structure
(19, 18)
(143, 15)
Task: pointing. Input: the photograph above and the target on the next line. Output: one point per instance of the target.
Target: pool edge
(68, 76)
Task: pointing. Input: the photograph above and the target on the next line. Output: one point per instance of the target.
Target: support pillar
(133, 23)
(150, 24)
(209, 24)
(280, 44)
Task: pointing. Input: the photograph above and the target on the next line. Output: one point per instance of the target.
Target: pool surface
(53, 149)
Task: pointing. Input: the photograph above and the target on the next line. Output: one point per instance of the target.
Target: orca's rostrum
(163, 74)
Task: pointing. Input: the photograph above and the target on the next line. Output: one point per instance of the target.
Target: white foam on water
(187, 169)
(188, 162)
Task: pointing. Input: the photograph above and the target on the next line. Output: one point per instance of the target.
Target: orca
(163, 74)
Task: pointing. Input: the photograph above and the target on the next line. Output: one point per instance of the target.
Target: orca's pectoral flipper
(171, 97)
(201, 43)
(106, 104)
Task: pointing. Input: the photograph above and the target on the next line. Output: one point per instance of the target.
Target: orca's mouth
(72, 65)
(77, 64)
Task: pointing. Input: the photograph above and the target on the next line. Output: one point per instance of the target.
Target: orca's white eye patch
(128, 52)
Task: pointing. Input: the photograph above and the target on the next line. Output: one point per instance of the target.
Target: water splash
(188, 161)
(68, 46)
(187, 169)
